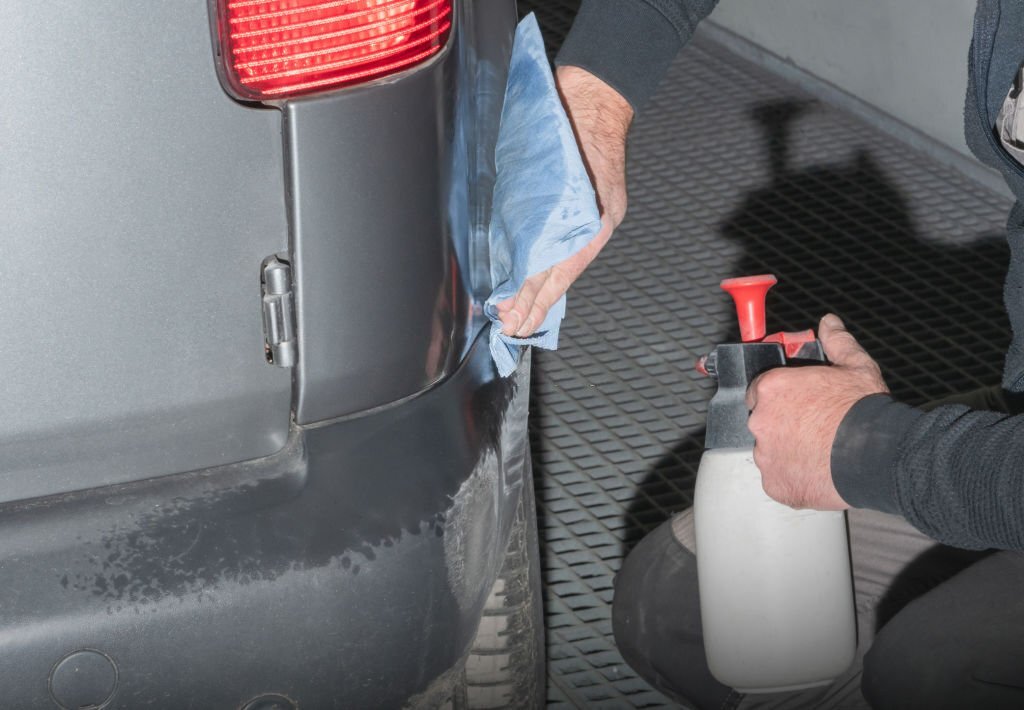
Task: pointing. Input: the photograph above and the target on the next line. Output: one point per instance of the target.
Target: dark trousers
(937, 627)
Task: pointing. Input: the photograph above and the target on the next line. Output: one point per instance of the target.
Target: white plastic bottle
(776, 590)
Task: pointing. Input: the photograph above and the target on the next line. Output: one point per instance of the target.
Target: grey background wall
(907, 58)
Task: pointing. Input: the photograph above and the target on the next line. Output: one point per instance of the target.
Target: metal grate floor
(733, 171)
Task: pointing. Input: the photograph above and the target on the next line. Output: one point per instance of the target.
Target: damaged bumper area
(348, 570)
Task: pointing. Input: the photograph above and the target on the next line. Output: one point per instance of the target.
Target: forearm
(955, 474)
(630, 43)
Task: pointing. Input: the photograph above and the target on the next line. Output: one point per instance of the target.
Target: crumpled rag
(544, 208)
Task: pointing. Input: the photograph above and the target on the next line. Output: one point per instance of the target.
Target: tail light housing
(272, 50)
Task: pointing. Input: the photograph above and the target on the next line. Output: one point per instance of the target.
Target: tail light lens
(284, 48)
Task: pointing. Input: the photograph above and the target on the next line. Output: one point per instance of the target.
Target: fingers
(515, 309)
(525, 299)
(530, 306)
(840, 347)
(752, 395)
(767, 384)
(505, 316)
(522, 315)
(554, 286)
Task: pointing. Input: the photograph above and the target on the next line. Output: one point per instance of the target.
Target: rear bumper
(349, 570)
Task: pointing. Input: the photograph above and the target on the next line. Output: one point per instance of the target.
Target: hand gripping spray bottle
(776, 593)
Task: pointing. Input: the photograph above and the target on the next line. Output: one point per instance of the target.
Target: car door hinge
(280, 344)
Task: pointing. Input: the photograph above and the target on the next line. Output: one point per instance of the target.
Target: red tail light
(282, 48)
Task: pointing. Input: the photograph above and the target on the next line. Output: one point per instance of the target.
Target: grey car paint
(384, 257)
(199, 534)
(138, 202)
(347, 571)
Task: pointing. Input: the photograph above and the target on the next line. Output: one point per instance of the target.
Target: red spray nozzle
(748, 292)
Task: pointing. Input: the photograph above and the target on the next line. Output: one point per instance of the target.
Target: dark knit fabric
(961, 477)
(864, 449)
(630, 43)
(954, 473)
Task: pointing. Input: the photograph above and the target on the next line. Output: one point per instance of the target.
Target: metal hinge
(280, 345)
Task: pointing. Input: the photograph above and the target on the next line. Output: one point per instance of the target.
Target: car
(256, 453)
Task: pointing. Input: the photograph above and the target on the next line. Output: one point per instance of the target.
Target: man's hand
(795, 413)
(600, 118)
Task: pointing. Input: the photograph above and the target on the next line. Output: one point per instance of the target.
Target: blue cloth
(544, 205)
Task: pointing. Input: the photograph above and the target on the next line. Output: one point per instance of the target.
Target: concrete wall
(907, 58)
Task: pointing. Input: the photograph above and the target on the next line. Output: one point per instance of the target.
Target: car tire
(505, 667)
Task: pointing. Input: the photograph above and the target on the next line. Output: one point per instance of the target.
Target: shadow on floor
(840, 238)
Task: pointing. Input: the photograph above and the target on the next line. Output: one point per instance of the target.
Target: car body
(256, 452)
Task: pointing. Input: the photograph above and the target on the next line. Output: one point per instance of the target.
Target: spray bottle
(776, 593)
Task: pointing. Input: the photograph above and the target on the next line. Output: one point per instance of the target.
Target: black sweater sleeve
(955, 474)
(630, 43)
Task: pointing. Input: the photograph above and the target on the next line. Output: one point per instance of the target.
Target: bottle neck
(736, 366)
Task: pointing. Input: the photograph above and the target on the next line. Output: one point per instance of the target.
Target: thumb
(840, 347)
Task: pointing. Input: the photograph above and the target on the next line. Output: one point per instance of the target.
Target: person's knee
(656, 621)
(627, 630)
(908, 671)
(954, 647)
(891, 675)
(635, 603)
(656, 587)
